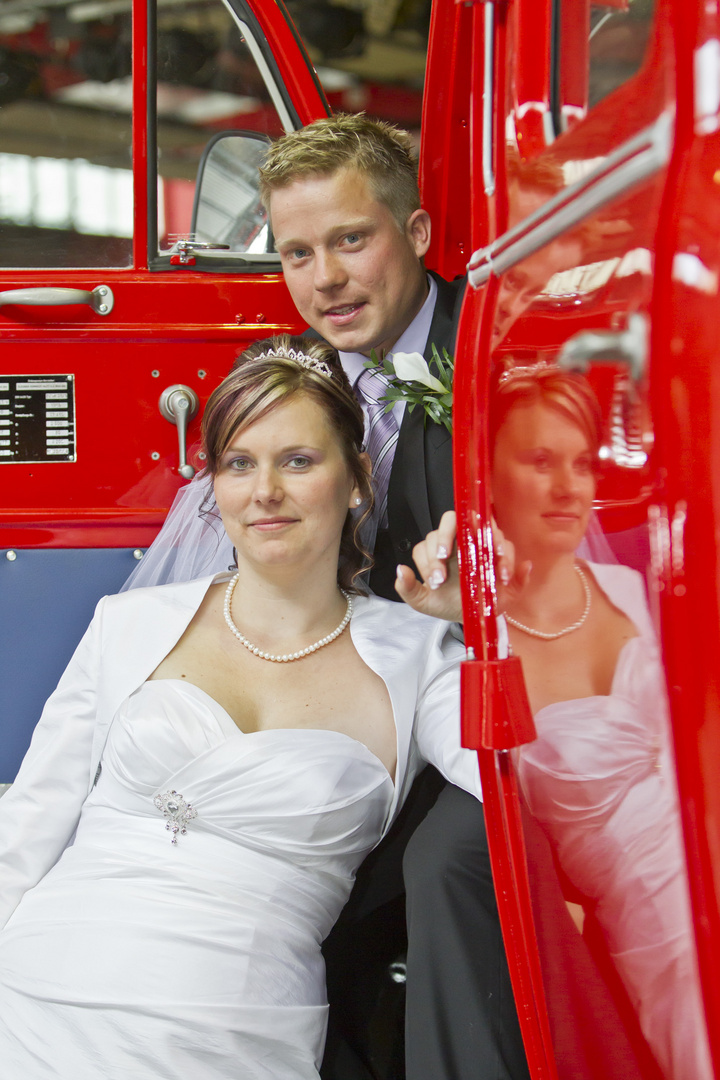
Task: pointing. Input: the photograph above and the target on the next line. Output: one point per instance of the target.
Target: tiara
(520, 371)
(301, 358)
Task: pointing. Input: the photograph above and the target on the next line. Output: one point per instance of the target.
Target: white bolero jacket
(416, 656)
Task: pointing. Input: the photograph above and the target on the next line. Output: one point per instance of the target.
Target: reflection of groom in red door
(346, 217)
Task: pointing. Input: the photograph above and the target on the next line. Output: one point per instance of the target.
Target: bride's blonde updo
(269, 373)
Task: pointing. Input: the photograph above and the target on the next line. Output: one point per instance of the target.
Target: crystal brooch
(177, 811)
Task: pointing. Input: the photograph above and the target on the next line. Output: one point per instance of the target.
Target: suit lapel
(412, 478)
(408, 482)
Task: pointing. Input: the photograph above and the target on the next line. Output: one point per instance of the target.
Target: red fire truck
(570, 161)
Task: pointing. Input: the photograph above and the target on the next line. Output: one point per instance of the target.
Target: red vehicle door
(122, 279)
(600, 158)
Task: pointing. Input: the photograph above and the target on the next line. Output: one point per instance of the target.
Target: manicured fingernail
(442, 552)
(436, 579)
(397, 571)
(504, 575)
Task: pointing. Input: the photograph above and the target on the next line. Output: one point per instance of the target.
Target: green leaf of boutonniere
(412, 381)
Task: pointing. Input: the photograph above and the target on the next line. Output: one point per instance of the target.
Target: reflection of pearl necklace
(568, 629)
(288, 656)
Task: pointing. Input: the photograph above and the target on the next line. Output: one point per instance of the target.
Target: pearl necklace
(288, 656)
(568, 629)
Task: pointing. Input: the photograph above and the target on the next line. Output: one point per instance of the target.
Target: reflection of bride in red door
(600, 775)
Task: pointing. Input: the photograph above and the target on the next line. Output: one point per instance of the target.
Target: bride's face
(543, 482)
(283, 488)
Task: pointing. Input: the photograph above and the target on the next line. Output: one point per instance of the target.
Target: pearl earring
(358, 500)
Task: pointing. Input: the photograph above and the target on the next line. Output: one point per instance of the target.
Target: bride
(217, 760)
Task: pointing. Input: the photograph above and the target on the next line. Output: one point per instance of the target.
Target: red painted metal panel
(292, 60)
(574, 63)
(531, 75)
(686, 405)
(181, 331)
(445, 177)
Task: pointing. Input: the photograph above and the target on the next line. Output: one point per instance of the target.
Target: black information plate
(37, 418)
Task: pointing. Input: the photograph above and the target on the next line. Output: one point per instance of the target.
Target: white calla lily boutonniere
(412, 381)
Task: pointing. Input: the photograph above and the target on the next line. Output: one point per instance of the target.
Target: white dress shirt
(413, 339)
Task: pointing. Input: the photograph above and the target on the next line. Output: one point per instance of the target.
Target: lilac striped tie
(381, 439)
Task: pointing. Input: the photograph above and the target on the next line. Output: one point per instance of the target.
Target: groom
(345, 211)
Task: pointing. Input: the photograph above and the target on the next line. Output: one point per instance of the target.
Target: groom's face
(356, 277)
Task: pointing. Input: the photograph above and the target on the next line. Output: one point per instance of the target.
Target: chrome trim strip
(487, 99)
(632, 162)
(262, 66)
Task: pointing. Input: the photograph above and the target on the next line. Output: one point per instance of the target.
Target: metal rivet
(155, 374)
(138, 554)
(202, 455)
(11, 556)
(155, 456)
(202, 373)
(259, 318)
(238, 318)
(102, 308)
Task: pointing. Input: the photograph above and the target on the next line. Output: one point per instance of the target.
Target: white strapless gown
(141, 959)
(600, 779)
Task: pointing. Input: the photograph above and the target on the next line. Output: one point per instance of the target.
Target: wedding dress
(143, 955)
(599, 778)
(127, 956)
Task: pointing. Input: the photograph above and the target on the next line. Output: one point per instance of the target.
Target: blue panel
(47, 598)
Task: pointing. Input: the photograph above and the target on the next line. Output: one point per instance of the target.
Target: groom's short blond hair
(382, 152)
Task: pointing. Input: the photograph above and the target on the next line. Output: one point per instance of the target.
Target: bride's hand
(438, 593)
(511, 577)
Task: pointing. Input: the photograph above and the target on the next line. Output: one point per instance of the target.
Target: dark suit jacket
(421, 482)
(420, 491)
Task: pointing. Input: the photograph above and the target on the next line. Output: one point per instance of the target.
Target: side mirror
(227, 207)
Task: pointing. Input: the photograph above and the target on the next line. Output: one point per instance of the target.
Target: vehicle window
(618, 40)
(610, 40)
(211, 79)
(66, 193)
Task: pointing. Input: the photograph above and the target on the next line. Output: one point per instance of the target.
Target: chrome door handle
(101, 299)
(629, 346)
(178, 404)
(182, 251)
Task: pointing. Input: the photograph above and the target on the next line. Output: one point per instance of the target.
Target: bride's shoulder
(625, 588)
(184, 593)
(614, 573)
